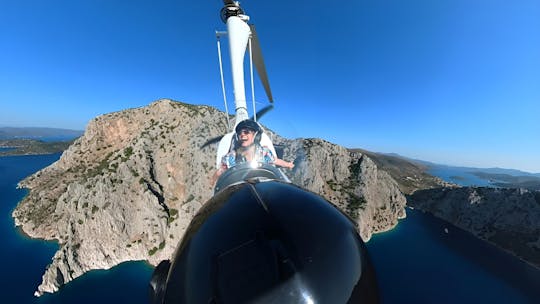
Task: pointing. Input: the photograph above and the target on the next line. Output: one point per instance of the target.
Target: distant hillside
(31, 146)
(462, 176)
(47, 134)
(494, 170)
(409, 175)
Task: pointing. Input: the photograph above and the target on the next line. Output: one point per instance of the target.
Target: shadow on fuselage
(263, 240)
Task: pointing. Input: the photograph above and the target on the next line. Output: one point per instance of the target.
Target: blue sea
(417, 262)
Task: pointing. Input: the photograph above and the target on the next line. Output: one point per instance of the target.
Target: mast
(239, 33)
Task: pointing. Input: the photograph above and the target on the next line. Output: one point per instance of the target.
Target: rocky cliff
(508, 218)
(127, 189)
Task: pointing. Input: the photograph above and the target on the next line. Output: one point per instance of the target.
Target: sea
(422, 260)
(459, 176)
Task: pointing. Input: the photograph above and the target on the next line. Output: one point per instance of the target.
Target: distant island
(44, 134)
(27, 141)
(502, 180)
(31, 147)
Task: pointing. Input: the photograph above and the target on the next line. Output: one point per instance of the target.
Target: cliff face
(508, 218)
(128, 188)
(349, 180)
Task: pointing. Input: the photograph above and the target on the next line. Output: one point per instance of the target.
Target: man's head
(246, 131)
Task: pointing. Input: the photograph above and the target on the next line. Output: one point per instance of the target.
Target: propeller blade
(259, 62)
(262, 111)
(212, 141)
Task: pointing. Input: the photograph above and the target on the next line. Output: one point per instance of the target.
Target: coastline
(487, 242)
(420, 263)
(21, 146)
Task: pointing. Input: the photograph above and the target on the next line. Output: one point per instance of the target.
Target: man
(246, 148)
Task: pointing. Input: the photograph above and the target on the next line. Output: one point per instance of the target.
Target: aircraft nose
(270, 242)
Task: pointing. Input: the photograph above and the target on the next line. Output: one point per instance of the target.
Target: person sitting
(246, 148)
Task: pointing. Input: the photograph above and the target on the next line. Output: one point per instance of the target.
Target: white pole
(223, 83)
(238, 32)
(252, 85)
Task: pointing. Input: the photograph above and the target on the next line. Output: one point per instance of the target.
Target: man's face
(246, 137)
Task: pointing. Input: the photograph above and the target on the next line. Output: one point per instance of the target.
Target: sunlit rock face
(127, 189)
(508, 218)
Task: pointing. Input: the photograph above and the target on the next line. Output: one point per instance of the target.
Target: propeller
(262, 112)
(259, 114)
(212, 141)
(259, 62)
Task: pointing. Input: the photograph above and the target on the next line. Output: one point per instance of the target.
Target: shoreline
(24, 235)
(505, 250)
(2, 154)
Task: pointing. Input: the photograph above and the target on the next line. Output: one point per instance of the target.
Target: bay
(419, 262)
(459, 176)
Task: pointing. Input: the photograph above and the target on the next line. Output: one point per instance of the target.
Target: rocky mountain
(128, 188)
(508, 218)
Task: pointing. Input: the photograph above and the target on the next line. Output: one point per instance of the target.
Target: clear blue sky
(449, 81)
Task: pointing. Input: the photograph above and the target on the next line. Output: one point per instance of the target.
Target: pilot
(247, 148)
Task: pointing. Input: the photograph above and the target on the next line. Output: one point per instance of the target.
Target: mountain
(130, 185)
(48, 134)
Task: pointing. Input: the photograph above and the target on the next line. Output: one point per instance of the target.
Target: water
(459, 176)
(416, 262)
(25, 259)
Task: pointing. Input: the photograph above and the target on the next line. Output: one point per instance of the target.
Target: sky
(450, 81)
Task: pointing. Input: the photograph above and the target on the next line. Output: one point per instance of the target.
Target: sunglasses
(245, 131)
